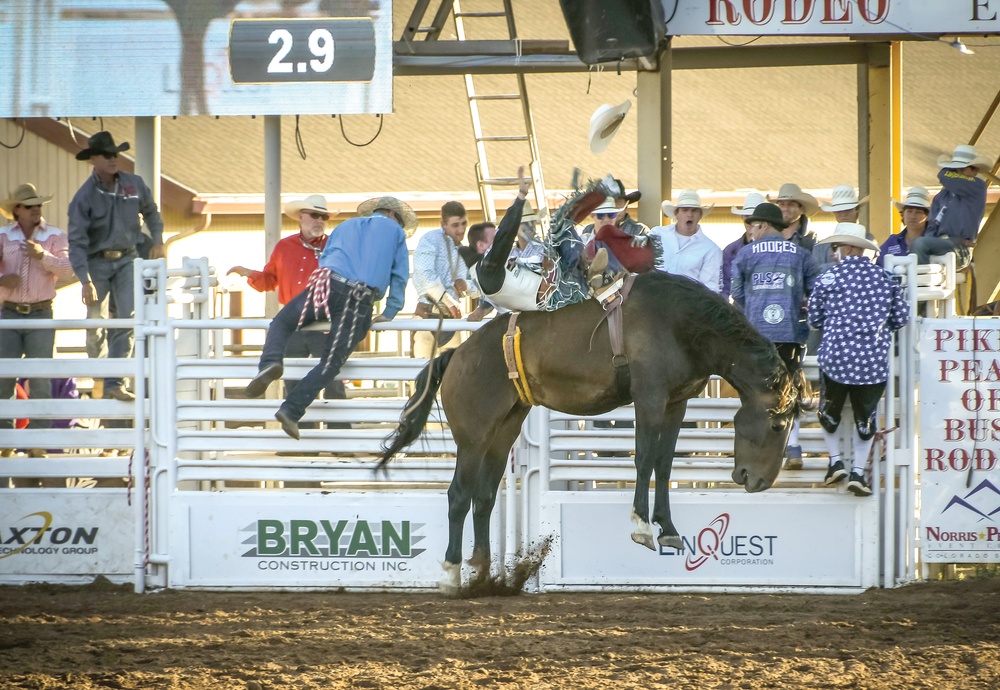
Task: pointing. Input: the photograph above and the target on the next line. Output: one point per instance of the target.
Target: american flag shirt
(858, 306)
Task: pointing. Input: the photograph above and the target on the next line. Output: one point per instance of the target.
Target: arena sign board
(830, 17)
(959, 458)
(65, 535)
(336, 540)
(82, 58)
(771, 539)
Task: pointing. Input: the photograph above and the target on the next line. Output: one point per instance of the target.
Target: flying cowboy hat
(25, 195)
(99, 144)
(314, 202)
(604, 124)
(844, 199)
(850, 233)
(391, 203)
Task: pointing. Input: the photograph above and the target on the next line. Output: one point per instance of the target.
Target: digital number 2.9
(320, 45)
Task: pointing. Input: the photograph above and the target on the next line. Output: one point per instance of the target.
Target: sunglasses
(318, 216)
(30, 207)
(605, 216)
(109, 156)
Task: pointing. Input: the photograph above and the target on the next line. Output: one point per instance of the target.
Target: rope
(381, 121)
(19, 141)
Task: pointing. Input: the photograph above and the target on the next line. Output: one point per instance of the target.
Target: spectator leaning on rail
(914, 212)
(105, 230)
(858, 306)
(364, 257)
(957, 209)
(771, 278)
(33, 256)
(752, 201)
(686, 249)
(293, 260)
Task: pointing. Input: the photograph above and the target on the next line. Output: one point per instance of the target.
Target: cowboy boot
(595, 269)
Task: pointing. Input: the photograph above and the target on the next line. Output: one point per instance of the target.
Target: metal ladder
(525, 138)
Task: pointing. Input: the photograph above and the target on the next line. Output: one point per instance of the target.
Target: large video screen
(83, 58)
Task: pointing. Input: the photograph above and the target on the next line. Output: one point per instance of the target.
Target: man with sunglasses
(105, 229)
(292, 261)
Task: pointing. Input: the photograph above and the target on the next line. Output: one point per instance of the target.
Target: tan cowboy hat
(688, 198)
(604, 124)
(391, 203)
(844, 199)
(313, 202)
(917, 197)
(792, 192)
(963, 156)
(853, 234)
(528, 213)
(26, 195)
(752, 201)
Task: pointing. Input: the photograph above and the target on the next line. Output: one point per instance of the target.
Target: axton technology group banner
(81, 58)
(960, 440)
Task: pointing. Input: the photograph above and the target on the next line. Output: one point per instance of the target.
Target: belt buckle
(23, 308)
(113, 254)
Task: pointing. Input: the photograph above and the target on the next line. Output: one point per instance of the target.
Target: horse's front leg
(642, 533)
(660, 445)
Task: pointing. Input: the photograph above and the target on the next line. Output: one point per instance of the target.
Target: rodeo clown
(563, 276)
(858, 306)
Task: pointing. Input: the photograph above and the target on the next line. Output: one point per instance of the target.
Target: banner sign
(65, 533)
(959, 460)
(771, 539)
(310, 540)
(82, 58)
(830, 17)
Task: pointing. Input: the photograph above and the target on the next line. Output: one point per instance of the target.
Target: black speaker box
(608, 30)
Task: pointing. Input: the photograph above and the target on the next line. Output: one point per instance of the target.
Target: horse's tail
(418, 408)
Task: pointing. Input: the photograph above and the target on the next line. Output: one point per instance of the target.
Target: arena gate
(217, 496)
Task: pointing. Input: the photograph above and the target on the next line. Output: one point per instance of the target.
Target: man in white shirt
(686, 249)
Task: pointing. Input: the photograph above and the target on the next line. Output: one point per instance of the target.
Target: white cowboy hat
(792, 192)
(313, 202)
(917, 197)
(853, 234)
(609, 205)
(391, 203)
(528, 213)
(688, 198)
(26, 195)
(753, 200)
(604, 123)
(963, 156)
(844, 199)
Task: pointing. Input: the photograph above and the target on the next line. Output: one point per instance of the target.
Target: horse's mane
(715, 317)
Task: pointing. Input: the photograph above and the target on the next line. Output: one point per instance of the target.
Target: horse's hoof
(672, 540)
(644, 539)
(451, 579)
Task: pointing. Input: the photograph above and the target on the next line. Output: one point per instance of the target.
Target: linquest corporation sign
(80, 58)
(926, 18)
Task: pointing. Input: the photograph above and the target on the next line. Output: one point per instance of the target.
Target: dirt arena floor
(935, 635)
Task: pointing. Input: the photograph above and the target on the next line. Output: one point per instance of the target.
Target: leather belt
(28, 307)
(112, 254)
(353, 283)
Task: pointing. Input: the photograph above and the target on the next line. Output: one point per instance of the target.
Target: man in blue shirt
(914, 212)
(771, 278)
(957, 209)
(858, 306)
(365, 255)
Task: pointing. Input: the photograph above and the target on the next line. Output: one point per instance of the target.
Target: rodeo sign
(959, 459)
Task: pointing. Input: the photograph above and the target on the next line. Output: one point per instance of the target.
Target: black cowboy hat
(630, 197)
(770, 214)
(100, 143)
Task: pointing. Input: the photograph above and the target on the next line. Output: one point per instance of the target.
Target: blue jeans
(350, 318)
(113, 279)
(925, 247)
(15, 344)
(302, 344)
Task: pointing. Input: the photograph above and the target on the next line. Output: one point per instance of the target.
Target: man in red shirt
(292, 262)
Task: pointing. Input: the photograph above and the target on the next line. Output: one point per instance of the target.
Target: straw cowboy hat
(101, 143)
(753, 200)
(604, 123)
(770, 214)
(528, 213)
(391, 203)
(26, 195)
(963, 156)
(792, 192)
(844, 199)
(314, 202)
(609, 205)
(917, 197)
(688, 198)
(853, 234)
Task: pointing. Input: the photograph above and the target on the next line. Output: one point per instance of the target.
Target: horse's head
(762, 427)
